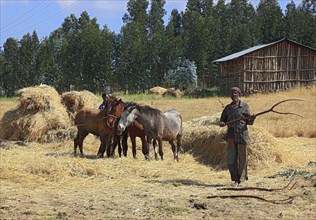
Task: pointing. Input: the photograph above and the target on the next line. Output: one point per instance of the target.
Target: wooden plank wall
(277, 67)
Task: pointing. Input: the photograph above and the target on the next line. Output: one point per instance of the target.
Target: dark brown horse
(133, 131)
(99, 123)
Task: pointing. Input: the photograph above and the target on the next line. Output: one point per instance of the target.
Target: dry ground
(45, 181)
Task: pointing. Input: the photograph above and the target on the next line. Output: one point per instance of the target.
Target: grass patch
(173, 209)
(141, 97)
(8, 99)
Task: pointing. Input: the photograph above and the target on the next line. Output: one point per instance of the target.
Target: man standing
(237, 136)
(105, 97)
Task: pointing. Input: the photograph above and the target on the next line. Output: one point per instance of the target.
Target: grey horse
(162, 126)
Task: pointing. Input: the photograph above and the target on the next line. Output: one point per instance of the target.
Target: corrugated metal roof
(249, 50)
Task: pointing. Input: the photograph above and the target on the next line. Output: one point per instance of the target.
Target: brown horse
(99, 123)
(133, 131)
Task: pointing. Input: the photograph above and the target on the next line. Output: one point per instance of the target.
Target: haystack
(38, 98)
(40, 116)
(173, 92)
(204, 139)
(74, 101)
(157, 90)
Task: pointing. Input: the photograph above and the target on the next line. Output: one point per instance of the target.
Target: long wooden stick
(269, 110)
(223, 106)
(258, 188)
(280, 201)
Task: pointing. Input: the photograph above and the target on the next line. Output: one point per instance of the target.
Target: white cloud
(5, 2)
(110, 5)
(65, 3)
(107, 6)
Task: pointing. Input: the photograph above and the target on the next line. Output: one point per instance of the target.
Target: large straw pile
(157, 90)
(40, 117)
(173, 92)
(204, 139)
(74, 101)
(165, 92)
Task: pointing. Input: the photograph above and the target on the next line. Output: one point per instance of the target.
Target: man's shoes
(235, 184)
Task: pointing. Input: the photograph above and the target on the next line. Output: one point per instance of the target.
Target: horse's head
(115, 109)
(127, 118)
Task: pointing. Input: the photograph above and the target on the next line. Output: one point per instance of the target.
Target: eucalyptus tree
(118, 79)
(9, 67)
(220, 30)
(242, 30)
(3, 70)
(69, 53)
(195, 35)
(291, 23)
(213, 28)
(269, 19)
(91, 60)
(35, 46)
(157, 50)
(88, 54)
(104, 59)
(134, 45)
(309, 9)
(174, 41)
(27, 52)
(48, 63)
(300, 22)
(85, 54)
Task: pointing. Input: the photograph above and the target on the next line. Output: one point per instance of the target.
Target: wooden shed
(267, 68)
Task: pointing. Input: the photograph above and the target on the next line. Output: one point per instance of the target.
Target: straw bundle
(204, 139)
(74, 101)
(38, 117)
(173, 92)
(264, 148)
(205, 120)
(38, 98)
(6, 124)
(157, 90)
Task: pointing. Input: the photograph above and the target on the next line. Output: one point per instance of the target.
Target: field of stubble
(45, 181)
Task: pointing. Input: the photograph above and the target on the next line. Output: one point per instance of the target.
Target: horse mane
(112, 98)
(147, 109)
(129, 104)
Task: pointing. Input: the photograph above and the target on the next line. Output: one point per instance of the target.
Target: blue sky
(22, 16)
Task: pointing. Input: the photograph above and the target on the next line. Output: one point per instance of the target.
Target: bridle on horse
(113, 123)
(112, 116)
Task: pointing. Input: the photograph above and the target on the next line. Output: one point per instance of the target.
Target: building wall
(277, 67)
